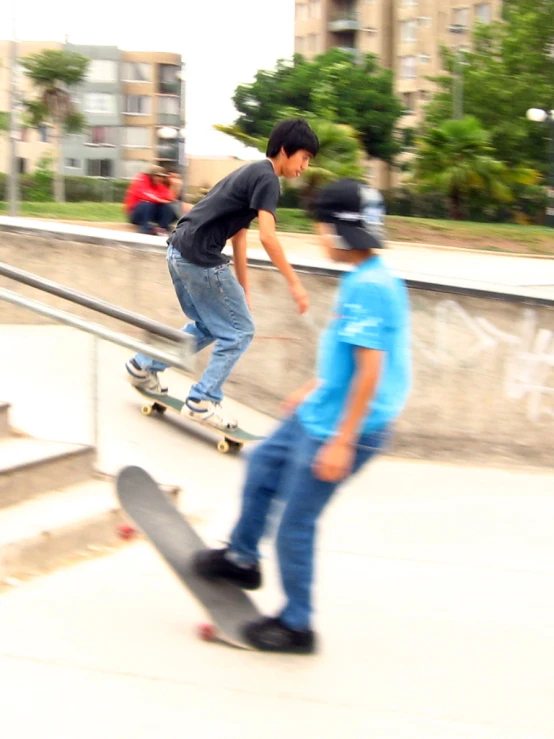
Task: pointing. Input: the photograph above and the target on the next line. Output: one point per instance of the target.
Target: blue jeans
(215, 302)
(281, 468)
(145, 213)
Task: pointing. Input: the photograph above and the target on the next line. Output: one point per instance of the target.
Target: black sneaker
(213, 564)
(272, 635)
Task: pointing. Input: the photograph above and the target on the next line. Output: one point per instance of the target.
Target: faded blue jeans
(216, 304)
(280, 468)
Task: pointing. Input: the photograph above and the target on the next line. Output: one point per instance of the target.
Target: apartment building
(134, 108)
(406, 36)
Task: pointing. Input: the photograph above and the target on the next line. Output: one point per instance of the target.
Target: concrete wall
(483, 368)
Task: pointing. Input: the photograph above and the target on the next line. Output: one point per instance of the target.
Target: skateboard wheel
(147, 410)
(223, 446)
(161, 409)
(125, 531)
(207, 632)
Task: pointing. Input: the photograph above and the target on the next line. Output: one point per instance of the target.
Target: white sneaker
(208, 412)
(144, 379)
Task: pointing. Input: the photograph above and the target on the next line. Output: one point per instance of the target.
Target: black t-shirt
(231, 205)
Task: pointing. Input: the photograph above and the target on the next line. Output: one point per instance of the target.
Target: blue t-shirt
(371, 311)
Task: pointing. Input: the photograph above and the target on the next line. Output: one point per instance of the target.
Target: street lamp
(13, 180)
(170, 133)
(538, 115)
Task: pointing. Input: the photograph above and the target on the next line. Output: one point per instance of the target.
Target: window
(301, 11)
(408, 32)
(99, 102)
(460, 17)
(137, 105)
(43, 134)
(101, 70)
(24, 134)
(99, 168)
(132, 136)
(169, 79)
(483, 12)
(137, 72)
(409, 101)
(424, 58)
(102, 136)
(21, 165)
(424, 21)
(168, 105)
(313, 42)
(300, 44)
(73, 163)
(407, 67)
(315, 9)
(130, 168)
(169, 73)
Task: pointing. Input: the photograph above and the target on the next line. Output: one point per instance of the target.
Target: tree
(510, 69)
(456, 159)
(340, 153)
(335, 86)
(54, 73)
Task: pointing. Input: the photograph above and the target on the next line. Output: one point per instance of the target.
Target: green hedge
(529, 205)
(77, 189)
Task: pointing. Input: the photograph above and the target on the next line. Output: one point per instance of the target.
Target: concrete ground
(435, 592)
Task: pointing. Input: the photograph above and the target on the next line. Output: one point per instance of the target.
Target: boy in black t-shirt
(214, 299)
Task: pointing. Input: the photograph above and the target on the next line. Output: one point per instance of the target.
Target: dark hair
(292, 135)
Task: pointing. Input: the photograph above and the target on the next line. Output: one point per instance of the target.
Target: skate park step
(28, 467)
(4, 419)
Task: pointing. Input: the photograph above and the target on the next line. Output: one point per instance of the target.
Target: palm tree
(455, 158)
(340, 153)
(54, 73)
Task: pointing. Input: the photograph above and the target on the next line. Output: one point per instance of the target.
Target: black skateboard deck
(176, 540)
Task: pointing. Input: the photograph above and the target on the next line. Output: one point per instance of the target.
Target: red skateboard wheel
(207, 632)
(125, 531)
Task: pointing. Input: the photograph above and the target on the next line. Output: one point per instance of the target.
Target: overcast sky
(223, 43)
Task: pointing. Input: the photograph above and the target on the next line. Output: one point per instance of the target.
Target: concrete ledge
(258, 258)
(482, 358)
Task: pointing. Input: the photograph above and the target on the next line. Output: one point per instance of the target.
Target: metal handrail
(100, 306)
(171, 352)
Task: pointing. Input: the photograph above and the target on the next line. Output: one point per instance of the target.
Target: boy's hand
(334, 460)
(291, 402)
(300, 295)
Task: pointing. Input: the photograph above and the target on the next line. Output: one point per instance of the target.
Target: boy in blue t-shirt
(335, 423)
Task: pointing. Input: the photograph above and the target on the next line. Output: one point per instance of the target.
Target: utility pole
(13, 100)
(458, 76)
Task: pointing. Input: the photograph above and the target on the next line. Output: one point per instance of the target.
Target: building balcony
(344, 20)
(169, 88)
(169, 119)
(348, 50)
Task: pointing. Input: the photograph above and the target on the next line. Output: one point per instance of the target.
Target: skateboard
(176, 540)
(232, 441)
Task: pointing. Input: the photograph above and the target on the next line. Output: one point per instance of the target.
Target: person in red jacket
(148, 202)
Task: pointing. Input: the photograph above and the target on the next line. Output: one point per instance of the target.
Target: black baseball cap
(355, 211)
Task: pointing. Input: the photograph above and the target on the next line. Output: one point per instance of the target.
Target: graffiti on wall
(527, 352)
